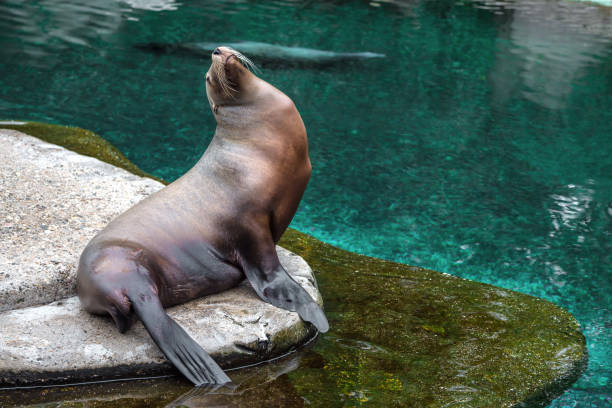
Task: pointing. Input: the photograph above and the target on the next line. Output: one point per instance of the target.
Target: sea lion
(211, 228)
(267, 54)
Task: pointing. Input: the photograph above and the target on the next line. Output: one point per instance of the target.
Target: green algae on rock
(78, 140)
(403, 336)
(426, 339)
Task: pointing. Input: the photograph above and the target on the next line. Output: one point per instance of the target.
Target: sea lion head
(228, 78)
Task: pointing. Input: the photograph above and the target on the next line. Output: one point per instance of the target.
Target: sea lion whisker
(223, 80)
(246, 62)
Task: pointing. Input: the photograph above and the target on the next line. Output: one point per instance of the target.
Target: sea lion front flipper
(274, 285)
(182, 351)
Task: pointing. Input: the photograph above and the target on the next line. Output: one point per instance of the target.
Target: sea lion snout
(227, 54)
(221, 51)
(227, 76)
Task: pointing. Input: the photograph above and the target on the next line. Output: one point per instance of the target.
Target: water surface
(481, 146)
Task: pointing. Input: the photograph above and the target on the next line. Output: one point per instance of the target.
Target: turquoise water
(480, 146)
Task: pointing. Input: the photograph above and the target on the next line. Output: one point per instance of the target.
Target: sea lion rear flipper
(182, 351)
(274, 285)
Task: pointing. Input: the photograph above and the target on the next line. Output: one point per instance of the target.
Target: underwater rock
(55, 200)
(254, 386)
(434, 339)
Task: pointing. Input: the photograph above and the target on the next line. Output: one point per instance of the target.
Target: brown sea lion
(211, 228)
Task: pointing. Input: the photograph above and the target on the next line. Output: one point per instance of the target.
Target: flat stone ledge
(55, 201)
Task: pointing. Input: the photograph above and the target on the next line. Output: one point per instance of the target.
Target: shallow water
(481, 146)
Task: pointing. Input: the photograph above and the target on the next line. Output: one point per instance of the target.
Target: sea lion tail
(182, 351)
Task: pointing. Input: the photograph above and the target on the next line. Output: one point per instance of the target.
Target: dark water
(481, 146)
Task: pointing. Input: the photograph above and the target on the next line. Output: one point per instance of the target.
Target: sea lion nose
(217, 51)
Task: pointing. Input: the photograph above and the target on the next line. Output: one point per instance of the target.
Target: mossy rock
(429, 339)
(403, 336)
(78, 140)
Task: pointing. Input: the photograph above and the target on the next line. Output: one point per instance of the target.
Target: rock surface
(53, 202)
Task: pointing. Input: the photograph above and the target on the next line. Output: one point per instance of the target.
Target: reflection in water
(153, 5)
(571, 220)
(571, 211)
(252, 387)
(61, 25)
(550, 43)
(257, 387)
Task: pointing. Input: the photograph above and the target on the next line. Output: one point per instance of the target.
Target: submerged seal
(211, 228)
(268, 54)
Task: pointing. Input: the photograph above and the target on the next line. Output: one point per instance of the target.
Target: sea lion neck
(246, 108)
(248, 88)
